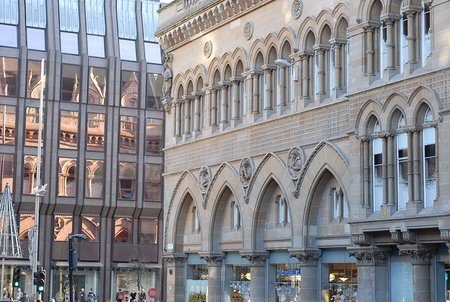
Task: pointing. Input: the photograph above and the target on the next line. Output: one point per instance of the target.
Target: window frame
(59, 130)
(135, 186)
(104, 131)
(44, 29)
(96, 35)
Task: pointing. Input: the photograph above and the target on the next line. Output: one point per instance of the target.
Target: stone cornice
(201, 21)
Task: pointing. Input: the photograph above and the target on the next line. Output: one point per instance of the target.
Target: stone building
(102, 147)
(306, 150)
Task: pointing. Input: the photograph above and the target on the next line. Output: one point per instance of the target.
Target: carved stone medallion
(207, 49)
(204, 178)
(297, 8)
(245, 171)
(295, 162)
(248, 30)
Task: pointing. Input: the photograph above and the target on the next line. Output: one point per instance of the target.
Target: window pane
(96, 131)
(96, 46)
(97, 86)
(8, 36)
(26, 222)
(128, 134)
(148, 231)
(123, 228)
(127, 50)
(90, 226)
(68, 130)
(9, 12)
(34, 80)
(7, 171)
(95, 17)
(8, 76)
(150, 19)
(94, 178)
(62, 228)
(152, 189)
(32, 126)
(29, 174)
(36, 38)
(7, 125)
(126, 17)
(129, 89)
(153, 137)
(154, 91)
(67, 185)
(69, 43)
(127, 180)
(68, 15)
(152, 53)
(70, 85)
(36, 13)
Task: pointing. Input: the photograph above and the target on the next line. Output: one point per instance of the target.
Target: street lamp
(73, 260)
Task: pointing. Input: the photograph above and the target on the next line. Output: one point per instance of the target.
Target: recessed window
(153, 137)
(70, 83)
(68, 130)
(36, 21)
(429, 161)
(34, 80)
(8, 76)
(128, 134)
(94, 178)
(123, 228)
(97, 86)
(63, 225)
(7, 125)
(32, 126)
(152, 188)
(95, 25)
(9, 19)
(402, 166)
(195, 221)
(67, 180)
(90, 226)
(69, 25)
(129, 90)
(95, 131)
(127, 181)
(7, 170)
(148, 231)
(154, 91)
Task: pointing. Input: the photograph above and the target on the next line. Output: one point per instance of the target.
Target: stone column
(366, 172)
(305, 75)
(255, 92)
(207, 108)
(268, 92)
(235, 97)
(391, 45)
(321, 50)
(384, 171)
(214, 90)
(281, 85)
(370, 52)
(175, 275)
(416, 166)
(390, 206)
(187, 114)
(372, 266)
(177, 104)
(410, 167)
(223, 102)
(214, 261)
(258, 274)
(308, 260)
(249, 90)
(421, 261)
(197, 111)
(411, 15)
(338, 65)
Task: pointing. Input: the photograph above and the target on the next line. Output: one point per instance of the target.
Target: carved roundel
(297, 8)
(248, 30)
(295, 162)
(245, 171)
(204, 178)
(207, 49)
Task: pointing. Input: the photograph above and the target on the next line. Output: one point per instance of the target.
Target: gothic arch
(393, 102)
(369, 108)
(213, 66)
(257, 47)
(365, 9)
(424, 94)
(225, 173)
(199, 73)
(307, 25)
(286, 35)
(239, 55)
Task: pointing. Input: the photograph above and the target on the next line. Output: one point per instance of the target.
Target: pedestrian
(119, 296)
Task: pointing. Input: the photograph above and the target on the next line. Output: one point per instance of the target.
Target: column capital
(255, 258)
(269, 67)
(223, 84)
(411, 9)
(306, 257)
(370, 26)
(305, 54)
(420, 253)
(369, 256)
(337, 41)
(197, 93)
(236, 80)
(174, 258)
(390, 18)
(321, 47)
(187, 98)
(282, 63)
(363, 239)
(177, 101)
(213, 259)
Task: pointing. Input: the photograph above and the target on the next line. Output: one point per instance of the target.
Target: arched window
(429, 160)
(240, 107)
(323, 64)
(284, 215)
(339, 204)
(195, 221)
(308, 67)
(426, 32)
(402, 165)
(377, 168)
(235, 216)
(340, 59)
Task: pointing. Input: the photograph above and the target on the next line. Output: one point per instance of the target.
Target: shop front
(197, 279)
(284, 277)
(25, 281)
(134, 281)
(86, 283)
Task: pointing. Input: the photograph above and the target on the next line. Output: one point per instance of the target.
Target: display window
(240, 284)
(287, 284)
(197, 283)
(342, 283)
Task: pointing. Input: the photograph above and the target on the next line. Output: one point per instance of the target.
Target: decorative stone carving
(420, 254)
(295, 162)
(409, 237)
(204, 179)
(296, 8)
(255, 258)
(207, 49)
(213, 259)
(362, 239)
(369, 256)
(174, 259)
(167, 84)
(306, 257)
(248, 30)
(245, 171)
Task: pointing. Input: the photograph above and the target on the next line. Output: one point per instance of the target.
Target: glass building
(102, 141)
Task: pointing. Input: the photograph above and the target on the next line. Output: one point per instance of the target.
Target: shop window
(90, 226)
(152, 188)
(235, 216)
(240, 283)
(148, 231)
(283, 211)
(126, 22)
(127, 180)
(68, 130)
(34, 80)
(97, 86)
(153, 137)
(128, 134)
(86, 283)
(287, 282)
(94, 179)
(95, 131)
(7, 125)
(8, 75)
(26, 223)
(342, 282)
(123, 228)
(377, 163)
(9, 19)
(197, 282)
(63, 225)
(36, 21)
(154, 91)
(70, 83)
(67, 180)
(129, 90)
(7, 171)
(95, 26)
(69, 25)
(429, 161)
(30, 175)
(126, 281)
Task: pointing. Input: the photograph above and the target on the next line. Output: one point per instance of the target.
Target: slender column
(249, 89)
(175, 272)
(308, 268)
(411, 15)
(258, 274)
(214, 105)
(268, 92)
(305, 75)
(224, 102)
(416, 166)
(337, 46)
(390, 41)
(187, 114)
(410, 167)
(197, 111)
(320, 53)
(370, 52)
(366, 172)
(281, 83)
(391, 170)
(214, 276)
(255, 92)
(177, 104)
(235, 97)
(384, 170)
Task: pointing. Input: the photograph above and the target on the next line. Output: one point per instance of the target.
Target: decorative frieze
(420, 254)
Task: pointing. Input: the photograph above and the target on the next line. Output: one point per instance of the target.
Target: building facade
(306, 150)
(102, 141)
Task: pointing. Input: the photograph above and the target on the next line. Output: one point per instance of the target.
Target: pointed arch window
(235, 216)
(377, 167)
(429, 161)
(402, 165)
(195, 221)
(426, 30)
(340, 207)
(284, 215)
